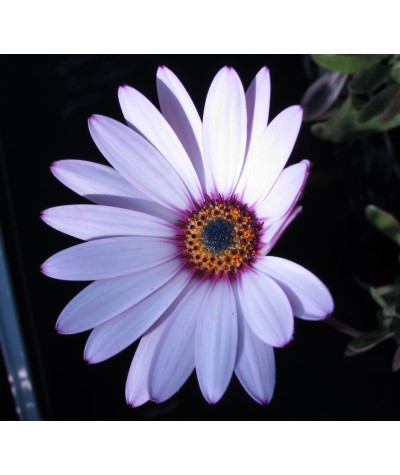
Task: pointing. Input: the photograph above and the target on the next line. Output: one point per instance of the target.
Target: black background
(45, 102)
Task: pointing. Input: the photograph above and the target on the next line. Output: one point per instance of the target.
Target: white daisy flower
(179, 237)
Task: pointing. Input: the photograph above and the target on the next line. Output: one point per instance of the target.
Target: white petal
(140, 163)
(116, 334)
(309, 297)
(136, 390)
(255, 362)
(104, 299)
(257, 103)
(270, 155)
(137, 387)
(105, 186)
(224, 132)
(144, 117)
(173, 360)
(95, 221)
(88, 178)
(273, 232)
(285, 192)
(216, 341)
(265, 307)
(178, 108)
(110, 257)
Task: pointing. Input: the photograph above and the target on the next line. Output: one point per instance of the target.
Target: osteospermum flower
(179, 236)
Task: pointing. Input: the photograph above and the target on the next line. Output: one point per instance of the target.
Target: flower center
(220, 236)
(217, 235)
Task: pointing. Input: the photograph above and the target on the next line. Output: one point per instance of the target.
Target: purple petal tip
(328, 314)
(131, 403)
(212, 402)
(87, 359)
(284, 343)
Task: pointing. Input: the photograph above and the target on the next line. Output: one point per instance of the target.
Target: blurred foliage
(386, 297)
(384, 222)
(348, 63)
(355, 96)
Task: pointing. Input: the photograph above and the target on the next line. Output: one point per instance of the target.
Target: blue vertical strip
(12, 345)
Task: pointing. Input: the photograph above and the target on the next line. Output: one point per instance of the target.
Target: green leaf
(395, 65)
(384, 222)
(377, 297)
(384, 322)
(321, 95)
(348, 63)
(386, 290)
(343, 124)
(338, 126)
(370, 79)
(378, 104)
(389, 312)
(393, 108)
(367, 341)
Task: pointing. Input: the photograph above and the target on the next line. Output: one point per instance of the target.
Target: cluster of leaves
(357, 95)
(387, 297)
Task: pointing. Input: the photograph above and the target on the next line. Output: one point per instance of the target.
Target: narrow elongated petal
(174, 359)
(105, 186)
(224, 132)
(137, 388)
(285, 192)
(137, 384)
(104, 299)
(139, 162)
(88, 178)
(255, 362)
(115, 335)
(178, 108)
(265, 307)
(257, 103)
(309, 297)
(94, 221)
(216, 341)
(110, 257)
(270, 155)
(144, 117)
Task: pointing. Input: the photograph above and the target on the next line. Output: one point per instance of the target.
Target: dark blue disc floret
(218, 235)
